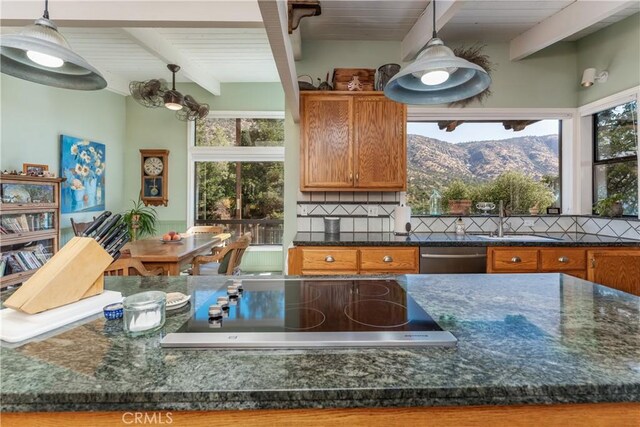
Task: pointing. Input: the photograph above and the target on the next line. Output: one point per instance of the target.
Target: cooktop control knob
(223, 302)
(215, 323)
(238, 284)
(232, 291)
(215, 311)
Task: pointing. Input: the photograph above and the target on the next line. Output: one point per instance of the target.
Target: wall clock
(155, 177)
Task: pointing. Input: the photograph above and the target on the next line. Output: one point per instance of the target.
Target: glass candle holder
(144, 312)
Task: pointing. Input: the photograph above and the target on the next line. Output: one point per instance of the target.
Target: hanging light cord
(435, 34)
(46, 9)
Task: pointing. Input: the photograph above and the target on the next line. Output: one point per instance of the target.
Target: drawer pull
(563, 259)
(516, 259)
(387, 258)
(329, 258)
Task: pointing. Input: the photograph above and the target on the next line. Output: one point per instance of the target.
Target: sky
(480, 131)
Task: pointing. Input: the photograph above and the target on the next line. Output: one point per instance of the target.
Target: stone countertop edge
(533, 345)
(451, 239)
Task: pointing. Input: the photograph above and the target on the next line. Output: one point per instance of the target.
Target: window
(517, 161)
(237, 175)
(615, 158)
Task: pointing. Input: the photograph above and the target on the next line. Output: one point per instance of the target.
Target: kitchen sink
(519, 238)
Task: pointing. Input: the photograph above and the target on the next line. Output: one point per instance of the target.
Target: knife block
(75, 272)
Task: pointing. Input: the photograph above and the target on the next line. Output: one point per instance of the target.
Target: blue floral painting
(82, 163)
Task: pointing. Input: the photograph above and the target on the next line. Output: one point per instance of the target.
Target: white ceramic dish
(176, 300)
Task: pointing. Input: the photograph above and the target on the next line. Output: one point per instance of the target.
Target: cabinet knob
(387, 258)
(516, 259)
(329, 258)
(350, 176)
(593, 263)
(563, 259)
(357, 176)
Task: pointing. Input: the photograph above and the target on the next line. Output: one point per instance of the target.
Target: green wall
(546, 79)
(616, 49)
(33, 116)
(158, 128)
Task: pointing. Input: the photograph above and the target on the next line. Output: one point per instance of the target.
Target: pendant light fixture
(437, 76)
(172, 98)
(40, 54)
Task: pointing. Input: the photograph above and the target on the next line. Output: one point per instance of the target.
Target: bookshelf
(29, 225)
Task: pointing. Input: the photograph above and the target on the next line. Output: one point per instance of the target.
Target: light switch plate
(529, 222)
(372, 211)
(303, 210)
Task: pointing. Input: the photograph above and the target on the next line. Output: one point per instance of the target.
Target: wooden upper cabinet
(380, 156)
(327, 142)
(352, 141)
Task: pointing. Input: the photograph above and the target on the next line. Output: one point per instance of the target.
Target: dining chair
(127, 266)
(205, 229)
(226, 260)
(79, 227)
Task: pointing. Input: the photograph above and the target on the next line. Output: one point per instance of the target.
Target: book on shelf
(24, 260)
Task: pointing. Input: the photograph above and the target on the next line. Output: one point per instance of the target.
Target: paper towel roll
(402, 215)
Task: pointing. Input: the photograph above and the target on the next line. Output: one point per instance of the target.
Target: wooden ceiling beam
(276, 24)
(569, 21)
(152, 41)
(421, 32)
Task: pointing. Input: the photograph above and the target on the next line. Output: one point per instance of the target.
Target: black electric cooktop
(301, 313)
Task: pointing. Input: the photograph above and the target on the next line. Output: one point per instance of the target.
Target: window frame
(566, 136)
(617, 160)
(226, 154)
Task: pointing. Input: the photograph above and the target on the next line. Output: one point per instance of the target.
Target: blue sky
(480, 131)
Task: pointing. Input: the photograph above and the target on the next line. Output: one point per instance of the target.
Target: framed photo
(553, 211)
(33, 169)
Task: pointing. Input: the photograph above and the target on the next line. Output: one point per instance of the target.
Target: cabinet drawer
(563, 259)
(331, 259)
(389, 259)
(516, 259)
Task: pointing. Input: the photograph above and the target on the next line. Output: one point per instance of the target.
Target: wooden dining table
(174, 257)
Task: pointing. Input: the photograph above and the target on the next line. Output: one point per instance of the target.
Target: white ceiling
(239, 51)
(481, 20)
(227, 54)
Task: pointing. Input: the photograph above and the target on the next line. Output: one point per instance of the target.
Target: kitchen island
(534, 346)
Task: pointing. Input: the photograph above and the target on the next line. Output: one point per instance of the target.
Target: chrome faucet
(501, 220)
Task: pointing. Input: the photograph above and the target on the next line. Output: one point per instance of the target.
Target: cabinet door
(380, 143)
(327, 142)
(618, 269)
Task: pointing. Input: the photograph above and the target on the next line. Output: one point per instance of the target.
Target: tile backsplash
(352, 209)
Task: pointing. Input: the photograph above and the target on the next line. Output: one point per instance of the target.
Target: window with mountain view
(454, 166)
(615, 160)
(234, 185)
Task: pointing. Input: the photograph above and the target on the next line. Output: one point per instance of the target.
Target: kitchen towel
(402, 216)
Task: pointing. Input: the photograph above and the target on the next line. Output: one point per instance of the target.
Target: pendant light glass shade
(437, 76)
(40, 54)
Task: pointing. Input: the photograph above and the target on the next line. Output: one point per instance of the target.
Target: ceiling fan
(156, 93)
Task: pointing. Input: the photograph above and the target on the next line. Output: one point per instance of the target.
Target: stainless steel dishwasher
(453, 259)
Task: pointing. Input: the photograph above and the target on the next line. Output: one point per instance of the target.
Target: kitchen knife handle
(107, 226)
(109, 238)
(96, 223)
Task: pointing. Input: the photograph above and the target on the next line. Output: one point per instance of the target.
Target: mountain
(433, 162)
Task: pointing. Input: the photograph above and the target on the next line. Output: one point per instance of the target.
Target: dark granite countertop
(523, 339)
(452, 239)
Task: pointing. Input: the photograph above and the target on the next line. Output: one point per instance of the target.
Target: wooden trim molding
(600, 414)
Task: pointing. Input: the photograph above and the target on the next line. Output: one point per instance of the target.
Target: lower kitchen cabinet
(618, 268)
(330, 260)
